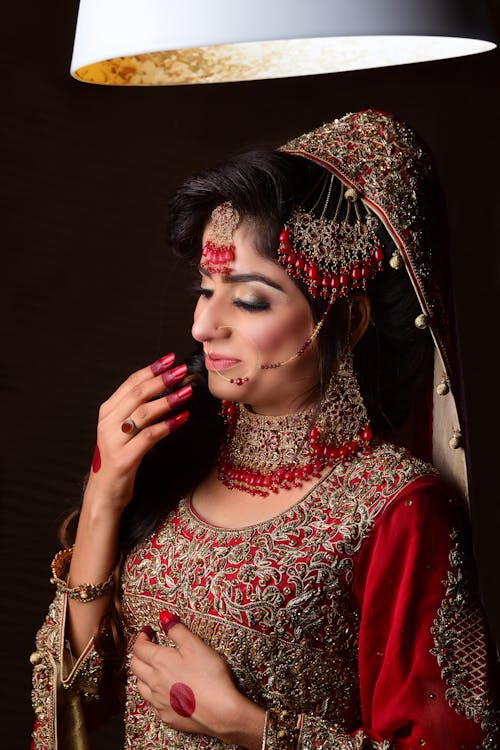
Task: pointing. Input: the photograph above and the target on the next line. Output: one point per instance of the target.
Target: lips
(214, 361)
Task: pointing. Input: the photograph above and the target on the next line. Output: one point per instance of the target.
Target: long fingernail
(178, 397)
(172, 376)
(174, 423)
(148, 630)
(168, 620)
(162, 364)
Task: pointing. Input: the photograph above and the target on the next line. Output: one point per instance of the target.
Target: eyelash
(258, 306)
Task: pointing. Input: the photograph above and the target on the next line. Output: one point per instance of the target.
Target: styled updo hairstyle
(393, 356)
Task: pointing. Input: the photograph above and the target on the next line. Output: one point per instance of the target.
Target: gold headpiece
(381, 161)
(332, 256)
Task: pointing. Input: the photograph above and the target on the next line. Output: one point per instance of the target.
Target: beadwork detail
(84, 592)
(218, 250)
(383, 160)
(262, 454)
(332, 258)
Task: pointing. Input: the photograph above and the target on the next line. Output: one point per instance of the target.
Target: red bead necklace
(263, 454)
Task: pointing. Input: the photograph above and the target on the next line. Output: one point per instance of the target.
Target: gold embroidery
(274, 599)
(320, 735)
(460, 647)
(49, 689)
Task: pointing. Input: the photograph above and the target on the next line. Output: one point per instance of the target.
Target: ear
(361, 311)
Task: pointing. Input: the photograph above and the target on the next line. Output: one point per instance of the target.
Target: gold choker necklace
(263, 454)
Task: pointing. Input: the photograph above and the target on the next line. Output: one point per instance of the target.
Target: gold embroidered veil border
(382, 159)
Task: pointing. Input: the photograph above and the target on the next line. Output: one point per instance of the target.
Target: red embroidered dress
(352, 608)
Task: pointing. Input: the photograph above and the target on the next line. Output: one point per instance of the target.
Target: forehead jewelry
(219, 249)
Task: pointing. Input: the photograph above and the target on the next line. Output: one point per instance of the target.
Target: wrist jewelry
(84, 592)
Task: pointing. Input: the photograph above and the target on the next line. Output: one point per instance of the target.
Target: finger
(141, 393)
(144, 440)
(146, 656)
(176, 631)
(144, 690)
(148, 631)
(159, 367)
(152, 411)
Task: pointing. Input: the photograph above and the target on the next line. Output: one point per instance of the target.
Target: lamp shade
(161, 42)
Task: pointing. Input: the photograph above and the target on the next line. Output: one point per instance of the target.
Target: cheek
(284, 332)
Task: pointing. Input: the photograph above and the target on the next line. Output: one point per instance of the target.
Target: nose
(207, 321)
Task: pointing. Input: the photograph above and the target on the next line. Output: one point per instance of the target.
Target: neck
(265, 452)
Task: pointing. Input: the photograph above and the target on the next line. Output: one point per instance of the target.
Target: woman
(292, 580)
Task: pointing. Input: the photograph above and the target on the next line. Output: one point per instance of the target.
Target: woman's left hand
(192, 689)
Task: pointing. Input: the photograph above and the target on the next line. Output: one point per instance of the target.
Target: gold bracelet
(84, 592)
(282, 730)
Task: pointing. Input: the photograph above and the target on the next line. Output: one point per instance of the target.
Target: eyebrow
(241, 278)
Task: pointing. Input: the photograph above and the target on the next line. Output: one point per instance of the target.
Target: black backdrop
(91, 293)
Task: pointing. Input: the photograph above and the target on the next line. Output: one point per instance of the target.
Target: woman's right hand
(118, 453)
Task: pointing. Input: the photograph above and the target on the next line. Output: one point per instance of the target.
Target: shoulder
(390, 478)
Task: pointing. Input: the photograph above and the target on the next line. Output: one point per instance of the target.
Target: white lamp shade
(160, 42)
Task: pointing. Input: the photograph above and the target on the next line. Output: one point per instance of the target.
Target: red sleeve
(422, 646)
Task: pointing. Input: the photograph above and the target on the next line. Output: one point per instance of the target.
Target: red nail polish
(175, 422)
(178, 397)
(148, 630)
(168, 620)
(96, 460)
(172, 376)
(162, 364)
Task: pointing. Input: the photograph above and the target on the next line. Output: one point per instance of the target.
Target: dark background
(91, 293)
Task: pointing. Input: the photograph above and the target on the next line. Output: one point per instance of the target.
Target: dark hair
(264, 187)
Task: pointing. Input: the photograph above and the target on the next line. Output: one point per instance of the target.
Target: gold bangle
(84, 592)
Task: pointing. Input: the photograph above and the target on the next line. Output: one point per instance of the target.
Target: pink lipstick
(215, 361)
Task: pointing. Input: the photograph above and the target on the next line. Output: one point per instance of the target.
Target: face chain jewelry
(307, 343)
(263, 454)
(219, 249)
(273, 365)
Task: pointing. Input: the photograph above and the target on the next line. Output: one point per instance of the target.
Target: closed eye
(256, 305)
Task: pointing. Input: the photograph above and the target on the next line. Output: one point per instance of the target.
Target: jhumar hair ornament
(335, 255)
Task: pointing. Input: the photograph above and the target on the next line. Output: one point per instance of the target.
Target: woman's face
(252, 316)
